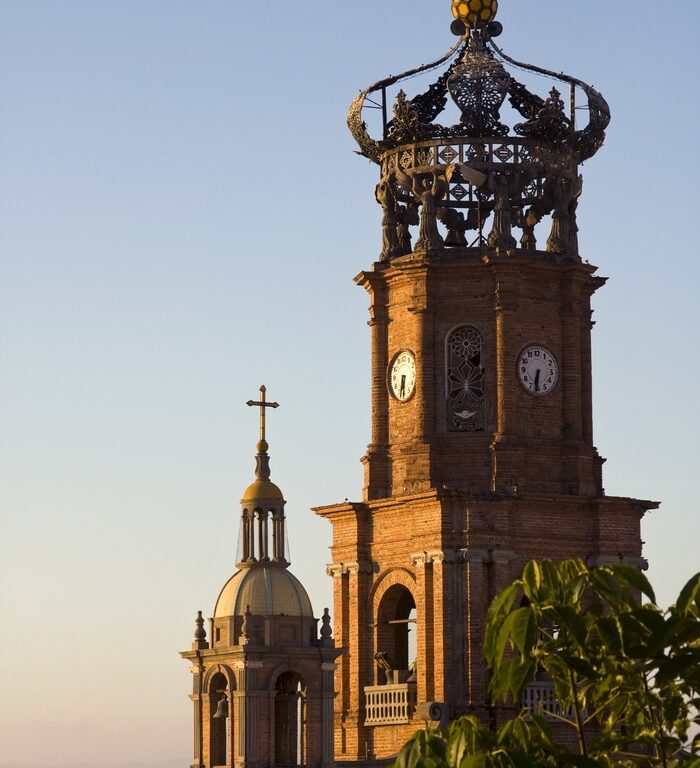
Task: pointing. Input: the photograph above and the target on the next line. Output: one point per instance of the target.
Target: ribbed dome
(268, 590)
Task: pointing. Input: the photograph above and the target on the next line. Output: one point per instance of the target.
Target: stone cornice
(433, 556)
(595, 561)
(336, 570)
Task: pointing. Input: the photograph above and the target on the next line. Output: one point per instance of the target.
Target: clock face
(402, 375)
(538, 370)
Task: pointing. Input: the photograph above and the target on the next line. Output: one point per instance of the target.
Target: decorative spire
(262, 404)
(261, 501)
(262, 460)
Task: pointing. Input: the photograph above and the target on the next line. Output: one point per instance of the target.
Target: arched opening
(290, 721)
(396, 644)
(219, 712)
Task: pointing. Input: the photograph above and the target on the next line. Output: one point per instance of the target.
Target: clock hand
(402, 391)
(537, 380)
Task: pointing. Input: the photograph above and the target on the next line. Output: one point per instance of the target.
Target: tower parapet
(479, 182)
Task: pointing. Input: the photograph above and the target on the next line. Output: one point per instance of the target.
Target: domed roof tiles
(269, 590)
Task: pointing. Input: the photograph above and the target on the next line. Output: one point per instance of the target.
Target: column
(477, 602)
(446, 624)
(376, 461)
(327, 721)
(422, 562)
(196, 698)
(506, 457)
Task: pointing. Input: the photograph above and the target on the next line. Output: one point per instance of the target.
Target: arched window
(396, 620)
(219, 748)
(290, 717)
(465, 380)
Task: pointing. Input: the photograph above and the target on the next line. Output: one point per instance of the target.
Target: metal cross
(262, 404)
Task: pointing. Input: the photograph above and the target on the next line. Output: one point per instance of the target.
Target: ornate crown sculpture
(479, 171)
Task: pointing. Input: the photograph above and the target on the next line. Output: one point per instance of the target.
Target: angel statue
(429, 191)
(387, 199)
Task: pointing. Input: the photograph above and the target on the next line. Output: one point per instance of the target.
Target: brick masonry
(451, 518)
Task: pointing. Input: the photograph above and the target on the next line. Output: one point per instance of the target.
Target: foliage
(626, 675)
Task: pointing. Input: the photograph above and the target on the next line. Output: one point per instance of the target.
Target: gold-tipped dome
(262, 490)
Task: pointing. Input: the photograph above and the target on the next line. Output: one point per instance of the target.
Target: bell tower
(263, 682)
(482, 454)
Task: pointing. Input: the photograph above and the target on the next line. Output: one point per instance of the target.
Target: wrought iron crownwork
(452, 180)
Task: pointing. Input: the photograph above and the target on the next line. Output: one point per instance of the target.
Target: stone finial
(200, 634)
(326, 629)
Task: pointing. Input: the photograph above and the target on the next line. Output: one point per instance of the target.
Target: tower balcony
(390, 704)
(541, 699)
(473, 192)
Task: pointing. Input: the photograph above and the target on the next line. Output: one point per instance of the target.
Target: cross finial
(263, 404)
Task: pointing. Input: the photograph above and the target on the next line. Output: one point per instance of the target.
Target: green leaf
(476, 761)
(521, 673)
(520, 630)
(609, 633)
(503, 602)
(497, 614)
(634, 577)
(532, 580)
(689, 598)
(582, 761)
(425, 749)
(570, 621)
(467, 735)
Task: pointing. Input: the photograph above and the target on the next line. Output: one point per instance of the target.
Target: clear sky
(182, 215)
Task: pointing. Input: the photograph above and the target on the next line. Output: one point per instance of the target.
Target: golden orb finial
(474, 14)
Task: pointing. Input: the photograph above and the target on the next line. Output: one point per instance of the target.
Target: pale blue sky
(182, 215)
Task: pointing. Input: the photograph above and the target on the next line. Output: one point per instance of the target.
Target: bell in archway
(222, 708)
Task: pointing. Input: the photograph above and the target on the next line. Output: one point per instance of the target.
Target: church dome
(262, 490)
(269, 591)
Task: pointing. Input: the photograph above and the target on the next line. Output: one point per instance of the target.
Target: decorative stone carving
(429, 190)
(336, 570)
(501, 236)
(390, 241)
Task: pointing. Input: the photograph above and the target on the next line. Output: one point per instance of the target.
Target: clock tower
(482, 454)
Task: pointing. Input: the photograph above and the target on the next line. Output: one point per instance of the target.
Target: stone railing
(541, 698)
(389, 704)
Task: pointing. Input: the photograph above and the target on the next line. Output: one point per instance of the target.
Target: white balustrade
(389, 704)
(541, 699)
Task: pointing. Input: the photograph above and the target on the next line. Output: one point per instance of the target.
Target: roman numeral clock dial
(402, 375)
(538, 370)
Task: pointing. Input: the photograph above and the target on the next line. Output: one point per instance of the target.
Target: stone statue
(563, 238)
(385, 196)
(429, 191)
(406, 215)
(500, 236)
